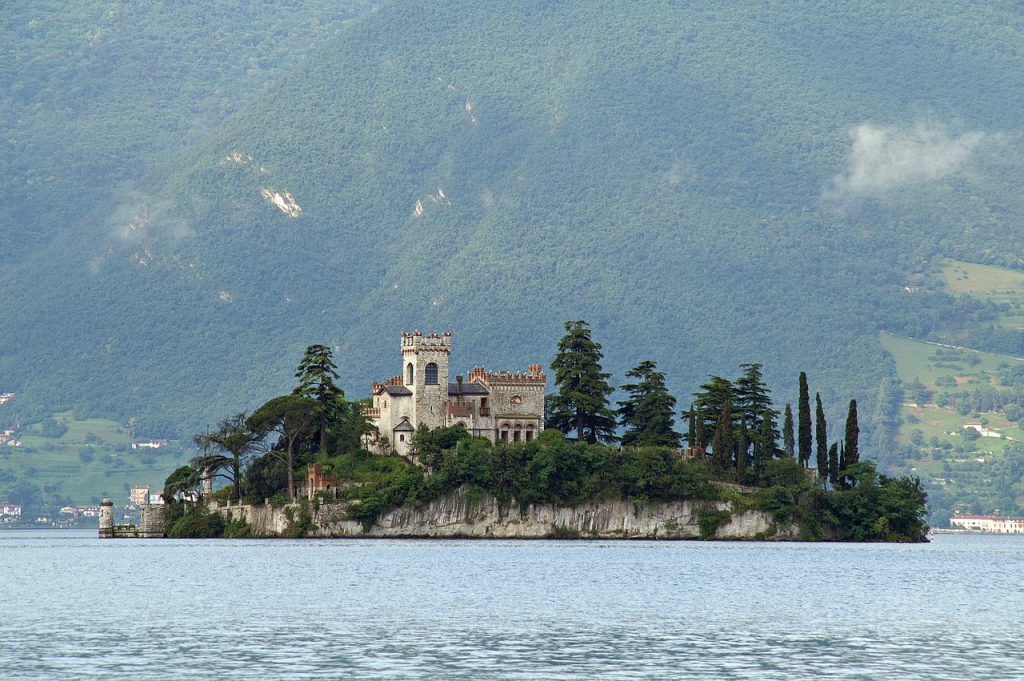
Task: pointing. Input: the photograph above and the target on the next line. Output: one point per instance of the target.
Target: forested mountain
(705, 185)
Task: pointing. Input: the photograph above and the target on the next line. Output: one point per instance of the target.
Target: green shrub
(197, 524)
(711, 520)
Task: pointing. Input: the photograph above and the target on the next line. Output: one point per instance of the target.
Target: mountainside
(705, 186)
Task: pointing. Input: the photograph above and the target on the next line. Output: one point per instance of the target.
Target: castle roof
(405, 426)
(467, 389)
(397, 390)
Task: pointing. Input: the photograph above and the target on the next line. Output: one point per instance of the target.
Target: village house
(149, 444)
(10, 513)
(139, 495)
(7, 438)
(502, 406)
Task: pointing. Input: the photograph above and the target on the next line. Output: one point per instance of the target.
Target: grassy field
(917, 359)
(963, 469)
(996, 284)
(93, 458)
(982, 280)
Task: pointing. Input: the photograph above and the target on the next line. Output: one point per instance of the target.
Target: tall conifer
(788, 441)
(722, 442)
(648, 415)
(852, 435)
(833, 464)
(821, 439)
(691, 428)
(843, 463)
(804, 421)
(581, 400)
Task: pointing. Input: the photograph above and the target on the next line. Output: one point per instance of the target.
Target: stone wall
(462, 514)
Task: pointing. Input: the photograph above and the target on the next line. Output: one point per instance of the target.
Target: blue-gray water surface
(73, 606)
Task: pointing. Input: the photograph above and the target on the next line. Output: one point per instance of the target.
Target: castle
(502, 406)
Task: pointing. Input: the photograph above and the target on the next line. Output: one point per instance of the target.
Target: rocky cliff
(468, 514)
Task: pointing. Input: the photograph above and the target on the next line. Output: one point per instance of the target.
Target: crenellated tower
(425, 373)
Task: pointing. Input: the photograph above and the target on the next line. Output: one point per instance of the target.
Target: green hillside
(706, 186)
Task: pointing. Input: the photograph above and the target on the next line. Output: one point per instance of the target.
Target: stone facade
(502, 406)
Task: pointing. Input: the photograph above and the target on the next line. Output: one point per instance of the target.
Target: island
(491, 455)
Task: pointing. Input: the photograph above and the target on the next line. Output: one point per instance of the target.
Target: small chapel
(503, 406)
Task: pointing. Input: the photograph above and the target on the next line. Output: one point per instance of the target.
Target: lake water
(72, 606)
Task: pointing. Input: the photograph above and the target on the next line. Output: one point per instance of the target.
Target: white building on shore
(993, 524)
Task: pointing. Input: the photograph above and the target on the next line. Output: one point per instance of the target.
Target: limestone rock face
(463, 514)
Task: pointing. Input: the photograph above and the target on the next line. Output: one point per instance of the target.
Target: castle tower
(425, 373)
(106, 518)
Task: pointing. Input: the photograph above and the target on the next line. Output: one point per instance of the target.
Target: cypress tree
(691, 428)
(742, 445)
(833, 464)
(787, 432)
(852, 435)
(842, 465)
(722, 443)
(821, 439)
(804, 421)
(701, 432)
(765, 446)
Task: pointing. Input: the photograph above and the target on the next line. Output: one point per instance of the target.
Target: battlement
(533, 376)
(393, 381)
(417, 342)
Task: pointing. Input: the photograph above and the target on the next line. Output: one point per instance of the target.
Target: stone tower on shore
(106, 518)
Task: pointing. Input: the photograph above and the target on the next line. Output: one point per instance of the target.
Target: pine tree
(833, 464)
(821, 439)
(722, 442)
(804, 422)
(752, 397)
(316, 374)
(701, 432)
(711, 400)
(581, 400)
(648, 415)
(788, 442)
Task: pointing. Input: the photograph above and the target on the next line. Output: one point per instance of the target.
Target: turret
(106, 518)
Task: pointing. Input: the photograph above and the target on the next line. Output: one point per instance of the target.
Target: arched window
(516, 399)
(430, 374)
(529, 433)
(408, 374)
(517, 434)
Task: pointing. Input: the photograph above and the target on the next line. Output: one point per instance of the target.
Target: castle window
(430, 374)
(516, 399)
(408, 373)
(517, 434)
(529, 433)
